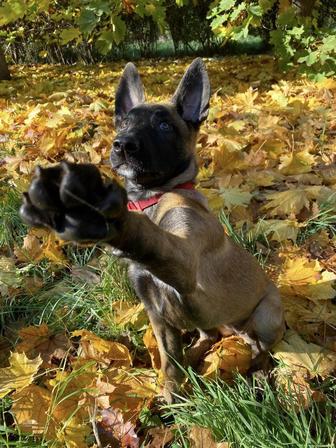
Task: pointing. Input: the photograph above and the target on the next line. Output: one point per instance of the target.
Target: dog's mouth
(138, 174)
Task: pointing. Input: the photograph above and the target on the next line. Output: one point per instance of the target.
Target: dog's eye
(123, 125)
(164, 126)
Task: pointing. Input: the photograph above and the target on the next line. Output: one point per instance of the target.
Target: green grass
(325, 219)
(12, 229)
(69, 302)
(252, 414)
(257, 244)
(164, 48)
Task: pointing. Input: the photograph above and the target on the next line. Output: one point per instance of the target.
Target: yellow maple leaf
(246, 100)
(152, 347)
(129, 314)
(261, 178)
(214, 199)
(314, 320)
(277, 229)
(38, 340)
(278, 98)
(306, 278)
(74, 433)
(227, 161)
(287, 202)
(296, 162)
(295, 353)
(235, 197)
(227, 356)
(103, 351)
(74, 393)
(31, 408)
(133, 388)
(39, 244)
(19, 374)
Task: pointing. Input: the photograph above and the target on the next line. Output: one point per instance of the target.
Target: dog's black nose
(126, 144)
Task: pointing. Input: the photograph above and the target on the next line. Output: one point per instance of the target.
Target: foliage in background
(299, 31)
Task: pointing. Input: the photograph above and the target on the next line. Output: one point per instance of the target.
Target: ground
(78, 364)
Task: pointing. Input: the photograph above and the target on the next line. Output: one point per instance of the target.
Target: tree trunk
(307, 7)
(4, 71)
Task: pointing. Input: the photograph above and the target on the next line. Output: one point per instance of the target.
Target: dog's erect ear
(129, 93)
(193, 93)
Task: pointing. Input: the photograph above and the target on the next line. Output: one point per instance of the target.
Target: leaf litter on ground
(267, 160)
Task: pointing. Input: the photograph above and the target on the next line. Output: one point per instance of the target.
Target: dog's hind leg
(266, 325)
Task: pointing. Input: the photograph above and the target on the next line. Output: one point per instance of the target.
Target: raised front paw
(73, 200)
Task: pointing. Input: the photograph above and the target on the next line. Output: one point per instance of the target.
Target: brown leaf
(159, 437)
(203, 438)
(31, 408)
(37, 340)
(114, 431)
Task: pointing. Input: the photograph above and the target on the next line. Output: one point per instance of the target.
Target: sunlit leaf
(19, 374)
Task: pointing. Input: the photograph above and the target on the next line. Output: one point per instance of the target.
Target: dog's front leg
(166, 255)
(170, 348)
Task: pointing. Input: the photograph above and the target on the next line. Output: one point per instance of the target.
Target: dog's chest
(161, 299)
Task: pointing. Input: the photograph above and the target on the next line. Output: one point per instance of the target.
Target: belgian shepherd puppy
(185, 270)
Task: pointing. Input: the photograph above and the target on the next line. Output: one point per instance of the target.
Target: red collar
(145, 203)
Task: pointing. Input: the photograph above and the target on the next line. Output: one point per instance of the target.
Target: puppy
(185, 270)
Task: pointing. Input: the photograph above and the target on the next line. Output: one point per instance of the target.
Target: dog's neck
(136, 192)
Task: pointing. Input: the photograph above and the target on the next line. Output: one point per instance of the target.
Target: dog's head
(156, 142)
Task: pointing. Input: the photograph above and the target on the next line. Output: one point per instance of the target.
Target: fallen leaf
(152, 347)
(299, 393)
(159, 437)
(316, 321)
(297, 162)
(286, 203)
(235, 197)
(129, 314)
(227, 356)
(105, 352)
(31, 408)
(74, 433)
(203, 438)
(113, 431)
(37, 340)
(306, 278)
(40, 244)
(19, 374)
(133, 388)
(295, 353)
(276, 229)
